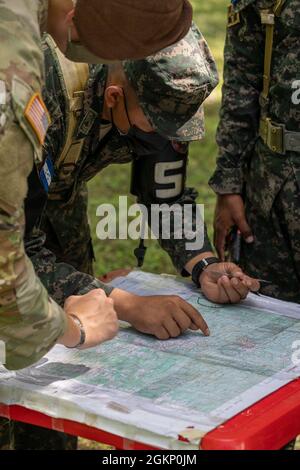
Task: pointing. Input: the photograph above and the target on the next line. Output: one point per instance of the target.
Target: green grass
(106, 187)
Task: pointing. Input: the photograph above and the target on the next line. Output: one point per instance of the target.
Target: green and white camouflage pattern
(269, 181)
(30, 323)
(172, 84)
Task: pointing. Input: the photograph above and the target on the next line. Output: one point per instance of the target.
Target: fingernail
(250, 239)
(235, 281)
(207, 332)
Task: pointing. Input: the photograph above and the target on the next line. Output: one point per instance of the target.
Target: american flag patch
(37, 115)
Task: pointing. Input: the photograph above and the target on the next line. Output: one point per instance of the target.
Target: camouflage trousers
(275, 254)
(22, 436)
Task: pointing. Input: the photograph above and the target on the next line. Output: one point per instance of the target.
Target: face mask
(77, 52)
(159, 169)
(141, 142)
(144, 143)
(156, 148)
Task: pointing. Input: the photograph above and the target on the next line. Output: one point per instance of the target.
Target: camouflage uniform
(65, 218)
(68, 248)
(268, 180)
(30, 322)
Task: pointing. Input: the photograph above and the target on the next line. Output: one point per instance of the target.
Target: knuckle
(171, 301)
(99, 293)
(70, 299)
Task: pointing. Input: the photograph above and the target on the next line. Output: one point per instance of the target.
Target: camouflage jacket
(30, 322)
(66, 208)
(244, 159)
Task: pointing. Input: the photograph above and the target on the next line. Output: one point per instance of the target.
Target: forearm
(124, 303)
(60, 279)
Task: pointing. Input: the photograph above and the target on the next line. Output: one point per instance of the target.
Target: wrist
(192, 263)
(82, 333)
(72, 334)
(202, 266)
(211, 267)
(125, 304)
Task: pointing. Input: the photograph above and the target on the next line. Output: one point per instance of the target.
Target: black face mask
(146, 144)
(141, 143)
(159, 167)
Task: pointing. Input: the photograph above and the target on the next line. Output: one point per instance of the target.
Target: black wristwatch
(200, 267)
(82, 331)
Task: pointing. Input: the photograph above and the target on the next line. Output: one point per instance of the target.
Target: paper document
(151, 390)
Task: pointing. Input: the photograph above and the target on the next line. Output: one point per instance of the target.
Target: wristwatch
(200, 267)
(82, 331)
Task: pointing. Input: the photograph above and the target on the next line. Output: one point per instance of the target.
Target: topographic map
(162, 387)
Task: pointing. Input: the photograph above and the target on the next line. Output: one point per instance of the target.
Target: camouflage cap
(172, 85)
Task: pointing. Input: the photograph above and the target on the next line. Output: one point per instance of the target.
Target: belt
(277, 138)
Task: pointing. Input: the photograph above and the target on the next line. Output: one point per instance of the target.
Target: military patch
(46, 174)
(233, 16)
(38, 117)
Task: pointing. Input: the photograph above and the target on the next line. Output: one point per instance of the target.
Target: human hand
(225, 283)
(97, 315)
(230, 212)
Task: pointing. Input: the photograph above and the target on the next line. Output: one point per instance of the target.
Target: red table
(269, 424)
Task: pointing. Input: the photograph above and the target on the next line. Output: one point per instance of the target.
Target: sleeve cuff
(96, 284)
(227, 181)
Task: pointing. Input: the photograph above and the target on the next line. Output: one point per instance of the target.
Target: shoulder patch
(38, 117)
(233, 16)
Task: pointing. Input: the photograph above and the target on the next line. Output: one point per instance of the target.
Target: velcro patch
(46, 174)
(37, 115)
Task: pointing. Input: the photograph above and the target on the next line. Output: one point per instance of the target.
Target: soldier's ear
(113, 96)
(69, 17)
(71, 26)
